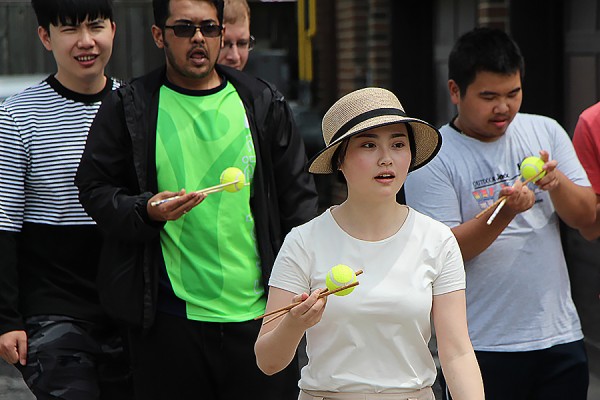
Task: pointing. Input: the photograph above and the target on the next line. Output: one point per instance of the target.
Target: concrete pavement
(12, 386)
(594, 390)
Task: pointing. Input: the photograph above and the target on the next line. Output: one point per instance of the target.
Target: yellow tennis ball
(531, 166)
(232, 174)
(340, 275)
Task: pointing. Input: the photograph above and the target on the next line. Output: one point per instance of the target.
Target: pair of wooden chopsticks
(208, 190)
(500, 202)
(326, 292)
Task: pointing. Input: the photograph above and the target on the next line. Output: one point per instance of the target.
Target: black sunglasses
(189, 30)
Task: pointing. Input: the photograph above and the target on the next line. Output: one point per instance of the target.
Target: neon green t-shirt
(210, 253)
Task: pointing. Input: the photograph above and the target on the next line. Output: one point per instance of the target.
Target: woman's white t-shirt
(373, 340)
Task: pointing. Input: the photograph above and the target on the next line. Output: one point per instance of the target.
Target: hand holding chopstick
(286, 309)
(496, 212)
(208, 190)
(326, 292)
(502, 200)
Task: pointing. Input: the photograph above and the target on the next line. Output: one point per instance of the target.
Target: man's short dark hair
(161, 11)
(483, 49)
(70, 12)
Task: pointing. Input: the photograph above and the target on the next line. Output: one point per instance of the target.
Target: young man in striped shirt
(52, 327)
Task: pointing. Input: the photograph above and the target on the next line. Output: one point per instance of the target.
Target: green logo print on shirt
(210, 253)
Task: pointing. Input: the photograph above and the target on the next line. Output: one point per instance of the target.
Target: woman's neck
(370, 222)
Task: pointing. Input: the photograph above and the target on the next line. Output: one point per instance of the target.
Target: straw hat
(366, 109)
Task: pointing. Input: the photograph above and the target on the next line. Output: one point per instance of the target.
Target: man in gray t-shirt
(522, 321)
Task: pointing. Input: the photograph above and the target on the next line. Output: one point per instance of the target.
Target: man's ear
(454, 91)
(44, 36)
(157, 35)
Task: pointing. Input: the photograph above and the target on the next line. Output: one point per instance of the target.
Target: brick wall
(363, 44)
(325, 58)
(351, 22)
(379, 43)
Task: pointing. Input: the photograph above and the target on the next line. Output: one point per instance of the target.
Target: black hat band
(362, 118)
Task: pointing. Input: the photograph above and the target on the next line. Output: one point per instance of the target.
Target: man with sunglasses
(189, 275)
(237, 40)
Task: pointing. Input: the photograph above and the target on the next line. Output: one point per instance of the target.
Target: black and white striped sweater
(49, 245)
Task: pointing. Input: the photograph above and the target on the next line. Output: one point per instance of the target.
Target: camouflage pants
(75, 360)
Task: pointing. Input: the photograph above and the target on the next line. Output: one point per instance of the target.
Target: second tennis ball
(340, 275)
(531, 166)
(233, 174)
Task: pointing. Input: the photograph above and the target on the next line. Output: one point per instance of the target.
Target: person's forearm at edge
(278, 340)
(276, 348)
(574, 204)
(592, 231)
(455, 350)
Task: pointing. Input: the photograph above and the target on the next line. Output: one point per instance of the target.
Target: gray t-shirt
(518, 290)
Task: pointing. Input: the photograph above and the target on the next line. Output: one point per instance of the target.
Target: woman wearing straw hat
(372, 343)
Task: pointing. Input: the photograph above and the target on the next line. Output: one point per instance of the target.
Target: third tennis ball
(340, 275)
(531, 166)
(233, 174)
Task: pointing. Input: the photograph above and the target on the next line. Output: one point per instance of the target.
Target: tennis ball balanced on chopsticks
(531, 166)
(340, 280)
(232, 180)
(338, 276)
(235, 179)
(532, 170)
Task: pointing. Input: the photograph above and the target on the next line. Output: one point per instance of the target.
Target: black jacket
(117, 176)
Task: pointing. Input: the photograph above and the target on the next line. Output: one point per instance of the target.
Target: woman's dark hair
(483, 49)
(412, 145)
(340, 153)
(70, 12)
(161, 11)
